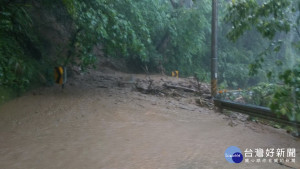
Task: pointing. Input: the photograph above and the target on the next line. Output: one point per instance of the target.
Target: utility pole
(214, 57)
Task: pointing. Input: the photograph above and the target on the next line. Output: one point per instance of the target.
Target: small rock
(232, 123)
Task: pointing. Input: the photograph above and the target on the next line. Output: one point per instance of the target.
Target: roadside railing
(256, 111)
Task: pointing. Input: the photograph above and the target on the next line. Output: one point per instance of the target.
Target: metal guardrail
(257, 111)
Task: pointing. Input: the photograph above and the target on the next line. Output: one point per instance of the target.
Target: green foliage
(17, 49)
(286, 99)
(260, 94)
(270, 18)
(233, 67)
(145, 33)
(153, 34)
(188, 29)
(106, 23)
(202, 75)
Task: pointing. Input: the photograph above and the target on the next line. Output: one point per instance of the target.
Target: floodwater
(93, 123)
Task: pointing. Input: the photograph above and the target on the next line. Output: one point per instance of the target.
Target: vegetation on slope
(157, 36)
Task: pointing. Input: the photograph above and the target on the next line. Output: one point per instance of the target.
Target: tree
(18, 45)
(270, 18)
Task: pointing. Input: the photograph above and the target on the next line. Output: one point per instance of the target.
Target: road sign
(60, 75)
(175, 73)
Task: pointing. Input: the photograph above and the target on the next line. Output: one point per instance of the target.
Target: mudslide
(97, 123)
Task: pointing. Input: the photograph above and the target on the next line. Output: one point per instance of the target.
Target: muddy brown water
(90, 126)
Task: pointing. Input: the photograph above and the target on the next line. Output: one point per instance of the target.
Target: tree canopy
(272, 19)
(258, 41)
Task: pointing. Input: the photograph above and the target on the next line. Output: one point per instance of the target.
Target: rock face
(54, 28)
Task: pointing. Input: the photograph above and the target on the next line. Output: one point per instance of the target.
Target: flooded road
(88, 125)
